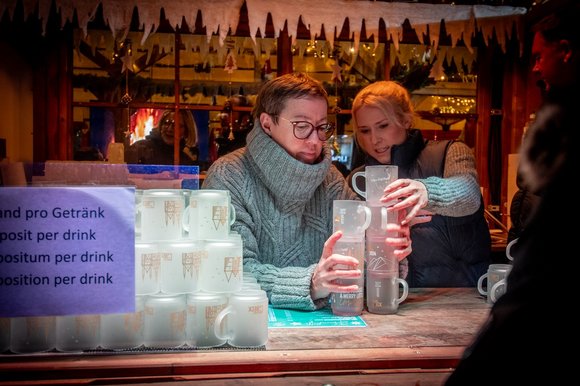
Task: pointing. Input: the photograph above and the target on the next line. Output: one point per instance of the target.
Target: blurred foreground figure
(522, 341)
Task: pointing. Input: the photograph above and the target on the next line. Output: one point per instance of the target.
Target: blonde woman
(437, 179)
(157, 147)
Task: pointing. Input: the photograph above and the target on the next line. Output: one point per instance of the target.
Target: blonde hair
(188, 122)
(390, 97)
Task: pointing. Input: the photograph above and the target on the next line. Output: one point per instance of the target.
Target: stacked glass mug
(190, 288)
(383, 294)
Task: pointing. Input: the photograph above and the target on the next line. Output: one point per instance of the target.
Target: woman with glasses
(157, 147)
(283, 185)
(437, 186)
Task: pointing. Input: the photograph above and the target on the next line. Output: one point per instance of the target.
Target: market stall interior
(111, 66)
(84, 80)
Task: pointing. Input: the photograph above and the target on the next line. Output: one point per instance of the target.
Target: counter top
(426, 336)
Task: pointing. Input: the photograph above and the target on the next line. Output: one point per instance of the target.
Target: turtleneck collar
(286, 177)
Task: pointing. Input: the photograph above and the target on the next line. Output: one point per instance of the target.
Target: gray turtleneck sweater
(283, 213)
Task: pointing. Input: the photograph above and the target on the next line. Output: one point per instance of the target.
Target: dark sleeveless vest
(447, 251)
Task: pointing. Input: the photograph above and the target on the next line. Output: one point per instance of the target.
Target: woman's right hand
(332, 267)
(408, 194)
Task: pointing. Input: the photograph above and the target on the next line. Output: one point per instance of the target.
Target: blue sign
(67, 250)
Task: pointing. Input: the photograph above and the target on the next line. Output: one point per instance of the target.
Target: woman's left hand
(410, 194)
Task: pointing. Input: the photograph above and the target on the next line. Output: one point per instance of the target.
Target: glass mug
(352, 217)
(202, 310)
(123, 331)
(148, 257)
(508, 249)
(382, 277)
(247, 319)
(32, 334)
(496, 276)
(221, 266)
(160, 212)
(383, 291)
(181, 266)
(209, 214)
(78, 332)
(349, 303)
(377, 177)
(165, 318)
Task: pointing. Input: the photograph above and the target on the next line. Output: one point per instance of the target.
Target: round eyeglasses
(303, 129)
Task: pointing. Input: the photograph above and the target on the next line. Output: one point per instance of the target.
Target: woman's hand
(332, 267)
(400, 237)
(411, 195)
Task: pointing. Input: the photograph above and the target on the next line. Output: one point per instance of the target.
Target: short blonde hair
(390, 97)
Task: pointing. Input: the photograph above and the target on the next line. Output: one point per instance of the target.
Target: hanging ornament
(127, 61)
(336, 73)
(230, 65)
(267, 70)
(126, 98)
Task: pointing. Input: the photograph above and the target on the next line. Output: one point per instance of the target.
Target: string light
(453, 105)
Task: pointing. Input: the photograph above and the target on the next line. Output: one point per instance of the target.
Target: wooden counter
(421, 343)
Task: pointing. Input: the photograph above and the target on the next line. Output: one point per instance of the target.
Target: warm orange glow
(142, 121)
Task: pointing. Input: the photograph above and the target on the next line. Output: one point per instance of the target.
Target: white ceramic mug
(202, 310)
(495, 276)
(161, 212)
(209, 214)
(221, 266)
(165, 318)
(78, 332)
(377, 177)
(124, 331)
(247, 315)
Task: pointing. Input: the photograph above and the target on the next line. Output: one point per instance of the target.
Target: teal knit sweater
(283, 213)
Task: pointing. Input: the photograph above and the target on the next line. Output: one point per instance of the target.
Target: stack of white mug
(382, 266)
(190, 288)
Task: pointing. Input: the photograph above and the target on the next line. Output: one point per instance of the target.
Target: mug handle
(184, 222)
(355, 187)
(405, 285)
(217, 326)
(494, 288)
(368, 215)
(384, 218)
(508, 249)
(138, 212)
(480, 284)
(232, 214)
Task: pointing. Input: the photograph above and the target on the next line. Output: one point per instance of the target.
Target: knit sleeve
(458, 193)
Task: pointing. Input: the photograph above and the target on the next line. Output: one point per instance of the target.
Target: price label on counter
(323, 318)
(67, 250)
